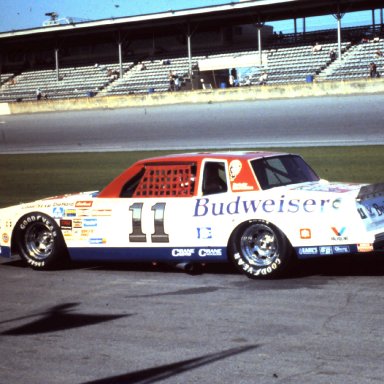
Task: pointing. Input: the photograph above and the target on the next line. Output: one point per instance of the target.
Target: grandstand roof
(245, 12)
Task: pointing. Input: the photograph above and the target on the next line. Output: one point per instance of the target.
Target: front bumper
(378, 244)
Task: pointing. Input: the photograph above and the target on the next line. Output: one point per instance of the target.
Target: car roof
(199, 156)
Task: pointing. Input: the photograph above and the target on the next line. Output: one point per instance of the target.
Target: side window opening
(214, 178)
(130, 186)
(168, 180)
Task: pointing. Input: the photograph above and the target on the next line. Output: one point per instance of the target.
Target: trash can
(151, 90)
(223, 85)
(309, 78)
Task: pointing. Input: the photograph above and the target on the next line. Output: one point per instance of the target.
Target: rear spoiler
(370, 191)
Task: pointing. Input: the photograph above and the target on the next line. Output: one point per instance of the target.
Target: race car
(259, 210)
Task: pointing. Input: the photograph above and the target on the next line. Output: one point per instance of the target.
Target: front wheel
(260, 250)
(40, 242)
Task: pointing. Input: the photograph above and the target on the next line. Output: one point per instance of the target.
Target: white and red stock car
(258, 210)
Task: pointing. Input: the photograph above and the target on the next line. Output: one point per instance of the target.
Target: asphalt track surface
(344, 120)
(103, 324)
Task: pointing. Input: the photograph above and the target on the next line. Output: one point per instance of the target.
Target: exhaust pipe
(190, 268)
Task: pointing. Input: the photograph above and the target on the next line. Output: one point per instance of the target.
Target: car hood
(367, 199)
(330, 187)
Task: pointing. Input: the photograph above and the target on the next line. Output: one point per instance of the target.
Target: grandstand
(145, 66)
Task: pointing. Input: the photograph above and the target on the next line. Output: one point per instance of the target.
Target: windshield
(282, 170)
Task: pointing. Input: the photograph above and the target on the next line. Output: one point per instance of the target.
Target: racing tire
(260, 250)
(40, 242)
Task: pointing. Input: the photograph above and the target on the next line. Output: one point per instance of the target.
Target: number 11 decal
(137, 234)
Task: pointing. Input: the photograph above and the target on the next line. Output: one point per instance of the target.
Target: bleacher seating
(355, 63)
(5, 77)
(73, 82)
(155, 76)
(285, 62)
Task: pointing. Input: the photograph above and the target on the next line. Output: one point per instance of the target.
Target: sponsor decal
(339, 234)
(82, 234)
(234, 169)
(181, 252)
(5, 238)
(86, 232)
(90, 222)
(305, 233)
(374, 210)
(362, 213)
(338, 188)
(61, 204)
(83, 204)
(58, 212)
(70, 213)
(204, 233)
(101, 212)
(97, 240)
(341, 249)
(308, 251)
(83, 212)
(326, 250)
(66, 224)
(364, 247)
(204, 207)
(77, 223)
(210, 252)
(242, 187)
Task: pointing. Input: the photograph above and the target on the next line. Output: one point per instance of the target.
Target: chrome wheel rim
(39, 241)
(259, 246)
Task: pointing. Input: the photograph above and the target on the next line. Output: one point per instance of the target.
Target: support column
(259, 26)
(373, 21)
(338, 16)
(57, 64)
(295, 27)
(120, 46)
(189, 36)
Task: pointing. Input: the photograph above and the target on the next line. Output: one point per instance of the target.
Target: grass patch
(28, 177)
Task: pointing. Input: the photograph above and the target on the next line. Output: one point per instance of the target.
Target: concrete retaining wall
(198, 96)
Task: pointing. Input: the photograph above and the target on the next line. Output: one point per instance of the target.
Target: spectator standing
(263, 78)
(234, 73)
(231, 80)
(317, 48)
(38, 94)
(171, 81)
(177, 81)
(372, 70)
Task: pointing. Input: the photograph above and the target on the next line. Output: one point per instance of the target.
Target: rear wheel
(260, 250)
(40, 242)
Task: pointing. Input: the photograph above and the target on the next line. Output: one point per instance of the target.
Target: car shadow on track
(57, 318)
(161, 373)
(368, 264)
